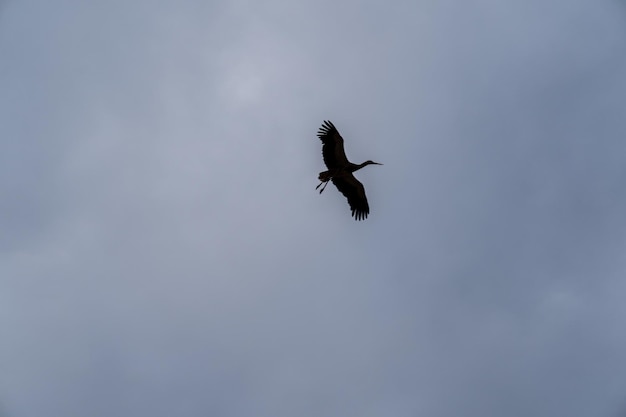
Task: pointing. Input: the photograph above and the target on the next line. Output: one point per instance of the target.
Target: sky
(163, 250)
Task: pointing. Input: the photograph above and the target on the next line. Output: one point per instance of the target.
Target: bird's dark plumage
(340, 171)
(354, 191)
(332, 146)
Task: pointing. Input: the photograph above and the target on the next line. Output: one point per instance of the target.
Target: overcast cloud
(163, 250)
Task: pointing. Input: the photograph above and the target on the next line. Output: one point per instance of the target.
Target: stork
(340, 171)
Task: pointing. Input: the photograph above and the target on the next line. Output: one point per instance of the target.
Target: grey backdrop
(163, 251)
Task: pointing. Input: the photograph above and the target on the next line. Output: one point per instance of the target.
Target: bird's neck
(361, 165)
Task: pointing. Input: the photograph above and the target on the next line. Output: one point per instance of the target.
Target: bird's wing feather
(332, 148)
(354, 191)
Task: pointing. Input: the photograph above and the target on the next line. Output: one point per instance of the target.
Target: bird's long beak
(377, 163)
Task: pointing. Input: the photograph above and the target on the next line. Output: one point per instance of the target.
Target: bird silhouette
(340, 171)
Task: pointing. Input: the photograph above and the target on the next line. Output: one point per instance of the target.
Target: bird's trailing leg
(325, 184)
(324, 177)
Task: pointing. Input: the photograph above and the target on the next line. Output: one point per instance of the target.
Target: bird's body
(340, 171)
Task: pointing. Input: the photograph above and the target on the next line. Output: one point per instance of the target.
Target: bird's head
(371, 163)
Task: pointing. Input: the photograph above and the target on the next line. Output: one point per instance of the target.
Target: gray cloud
(164, 250)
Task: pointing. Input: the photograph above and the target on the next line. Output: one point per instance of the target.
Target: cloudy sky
(163, 250)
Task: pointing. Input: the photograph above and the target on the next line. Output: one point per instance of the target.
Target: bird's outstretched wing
(354, 191)
(332, 148)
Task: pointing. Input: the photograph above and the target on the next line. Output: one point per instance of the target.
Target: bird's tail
(325, 176)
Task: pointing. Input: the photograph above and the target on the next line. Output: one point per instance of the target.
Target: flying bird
(340, 171)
